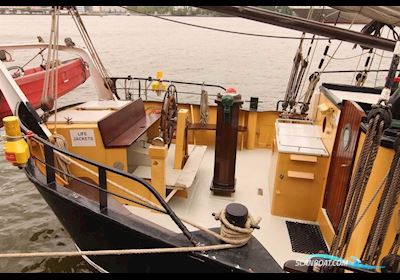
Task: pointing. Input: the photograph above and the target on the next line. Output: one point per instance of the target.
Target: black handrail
(147, 83)
(99, 188)
(50, 177)
(150, 79)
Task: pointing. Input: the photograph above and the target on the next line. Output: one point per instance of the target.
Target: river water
(140, 46)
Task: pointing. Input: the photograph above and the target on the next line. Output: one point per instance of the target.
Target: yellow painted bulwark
(326, 227)
(251, 130)
(116, 157)
(264, 130)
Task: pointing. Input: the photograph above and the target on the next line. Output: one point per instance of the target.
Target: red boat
(71, 73)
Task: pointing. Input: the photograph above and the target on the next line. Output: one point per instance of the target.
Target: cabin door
(341, 166)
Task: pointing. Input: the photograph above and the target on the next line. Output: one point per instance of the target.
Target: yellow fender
(156, 86)
(16, 149)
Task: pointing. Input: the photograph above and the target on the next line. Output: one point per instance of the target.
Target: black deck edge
(344, 87)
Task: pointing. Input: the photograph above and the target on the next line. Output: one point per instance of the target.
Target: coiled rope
(203, 107)
(233, 234)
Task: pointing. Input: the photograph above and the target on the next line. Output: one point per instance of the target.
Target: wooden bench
(125, 126)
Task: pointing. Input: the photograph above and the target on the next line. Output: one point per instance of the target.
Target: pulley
(384, 111)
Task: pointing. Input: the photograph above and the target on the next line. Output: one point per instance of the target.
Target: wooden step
(177, 178)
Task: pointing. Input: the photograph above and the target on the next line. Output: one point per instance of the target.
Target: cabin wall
(116, 157)
(328, 134)
(263, 131)
(331, 122)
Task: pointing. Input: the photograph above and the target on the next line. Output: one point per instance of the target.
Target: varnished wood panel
(342, 161)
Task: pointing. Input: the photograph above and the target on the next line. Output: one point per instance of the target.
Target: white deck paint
(89, 112)
(252, 169)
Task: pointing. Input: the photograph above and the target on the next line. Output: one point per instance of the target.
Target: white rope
(118, 251)
(61, 162)
(233, 234)
(55, 75)
(204, 107)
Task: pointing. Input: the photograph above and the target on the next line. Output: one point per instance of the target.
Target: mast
(304, 25)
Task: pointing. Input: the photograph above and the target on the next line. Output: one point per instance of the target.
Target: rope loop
(233, 234)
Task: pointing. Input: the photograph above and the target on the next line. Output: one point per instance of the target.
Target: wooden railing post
(158, 154)
(181, 143)
(251, 130)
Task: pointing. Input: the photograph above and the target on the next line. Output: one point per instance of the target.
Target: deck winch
(16, 149)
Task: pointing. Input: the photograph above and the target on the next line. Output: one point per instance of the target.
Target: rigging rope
(50, 86)
(376, 124)
(305, 95)
(300, 64)
(61, 163)
(220, 30)
(92, 50)
(349, 57)
(380, 61)
(383, 215)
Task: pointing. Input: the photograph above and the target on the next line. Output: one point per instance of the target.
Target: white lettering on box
(82, 138)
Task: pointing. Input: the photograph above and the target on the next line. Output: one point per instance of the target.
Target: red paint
(11, 157)
(71, 74)
(231, 90)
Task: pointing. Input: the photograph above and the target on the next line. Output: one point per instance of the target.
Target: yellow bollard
(16, 149)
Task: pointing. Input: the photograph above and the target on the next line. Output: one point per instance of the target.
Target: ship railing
(131, 87)
(50, 151)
